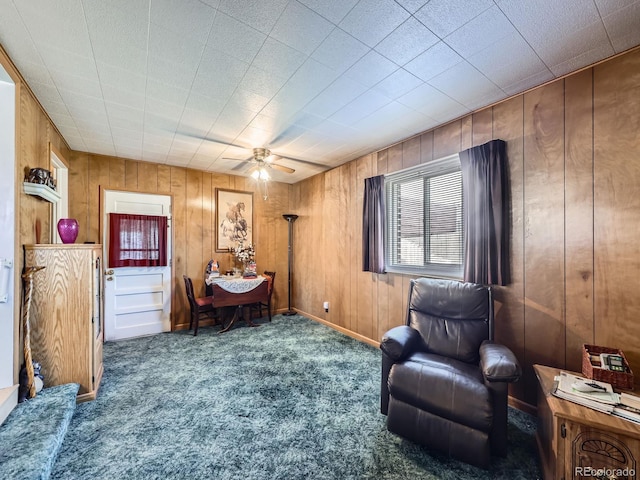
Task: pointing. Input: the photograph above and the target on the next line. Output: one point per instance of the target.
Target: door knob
(109, 272)
(109, 279)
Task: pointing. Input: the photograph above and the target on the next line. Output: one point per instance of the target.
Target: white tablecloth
(235, 284)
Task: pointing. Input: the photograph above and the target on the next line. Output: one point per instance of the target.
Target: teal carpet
(292, 399)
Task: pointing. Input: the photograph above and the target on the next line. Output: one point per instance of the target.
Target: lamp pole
(290, 218)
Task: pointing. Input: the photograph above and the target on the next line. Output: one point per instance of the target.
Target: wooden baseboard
(8, 400)
(523, 406)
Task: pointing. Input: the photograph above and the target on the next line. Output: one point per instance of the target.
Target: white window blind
(424, 219)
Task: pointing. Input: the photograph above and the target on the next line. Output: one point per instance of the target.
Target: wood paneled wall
(574, 162)
(193, 217)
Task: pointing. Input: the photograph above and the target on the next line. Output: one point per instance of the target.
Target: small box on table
(593, 368)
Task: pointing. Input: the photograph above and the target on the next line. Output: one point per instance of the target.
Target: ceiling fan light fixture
(261, 174)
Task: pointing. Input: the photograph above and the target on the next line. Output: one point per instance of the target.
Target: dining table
(237, 292)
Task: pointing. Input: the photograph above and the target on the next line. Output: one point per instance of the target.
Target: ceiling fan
(262, 159)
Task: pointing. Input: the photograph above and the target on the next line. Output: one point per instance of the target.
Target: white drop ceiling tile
(190, 18)
(247, 100)
(114, 76)
(130, 153)
(178, 76)
(397, 84)
(235, 38)
(443, 17)
(211, 82)
(607, 7)
(164, 124)
(78, 102)
(127, 135)
(364, 105)
(116, 111)
(277, 58)
(36, 72)
(205, 104)
(622, 26)
(62, 120)
(59, 24)
(14, 35)
(65, 61)
(528, 83)
(523, 61)
(579, 47)
(157, 90)
(200, 163)
(155, 157)
(412, 6)
(46, 92)
(308, 81)
(259, 14)
(465, 84)
(123, 96)
(174, 47)
(340, 51)
(261, 82)
(407, 42)
(330, 9)
(155, 106)
(122, 55)
(96, 137)
(582, 60)
(82, 86)
(301, 28)
(372, 20)
(103, 149)
(432, 102)
(254, 136)
(58, 109)
(334, 97)
(266, 123)
(543, 22)
(156, 140)
(488, 28)
(434, 61)
(371, 68)
(196, 122)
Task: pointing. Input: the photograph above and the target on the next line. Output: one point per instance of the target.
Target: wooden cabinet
(66, 314)
(576, 442)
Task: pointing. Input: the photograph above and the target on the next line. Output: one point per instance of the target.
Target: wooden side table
(576, 442)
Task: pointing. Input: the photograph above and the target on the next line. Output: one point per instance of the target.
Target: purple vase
(68, 230)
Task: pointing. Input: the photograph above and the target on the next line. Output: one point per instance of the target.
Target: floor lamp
(289, 217)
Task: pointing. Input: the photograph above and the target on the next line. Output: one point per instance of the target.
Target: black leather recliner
(444, 380)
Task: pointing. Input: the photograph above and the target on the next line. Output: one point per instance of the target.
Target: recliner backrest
(453, 318)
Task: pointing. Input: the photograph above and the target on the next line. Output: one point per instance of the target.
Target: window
(424, 219)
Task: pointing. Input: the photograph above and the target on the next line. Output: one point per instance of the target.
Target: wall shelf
(42, 191)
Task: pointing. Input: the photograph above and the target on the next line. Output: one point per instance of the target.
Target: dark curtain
(486, 213)
(137, 240)
(373, 225)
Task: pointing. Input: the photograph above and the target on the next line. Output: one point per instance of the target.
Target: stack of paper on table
(572, 387)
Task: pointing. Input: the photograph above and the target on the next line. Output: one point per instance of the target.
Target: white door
(137, 299)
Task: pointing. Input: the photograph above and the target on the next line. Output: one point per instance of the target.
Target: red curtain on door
(137, 240)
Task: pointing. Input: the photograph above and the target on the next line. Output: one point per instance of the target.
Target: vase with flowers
(245, 254)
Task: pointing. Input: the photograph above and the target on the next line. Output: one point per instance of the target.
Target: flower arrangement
(244, 253)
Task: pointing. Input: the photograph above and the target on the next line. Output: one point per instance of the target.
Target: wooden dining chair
(200, 306)
(271, 278)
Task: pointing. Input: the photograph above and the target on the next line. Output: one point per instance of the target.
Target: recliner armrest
(399, 342)
(498, 363)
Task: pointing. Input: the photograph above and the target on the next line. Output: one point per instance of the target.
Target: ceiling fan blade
(282, 168)
(274, 158)
(237, 159)
(212, 140)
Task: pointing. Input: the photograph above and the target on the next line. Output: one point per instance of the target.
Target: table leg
(237, 312)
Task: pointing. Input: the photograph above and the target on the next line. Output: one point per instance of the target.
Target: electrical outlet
(326, 306)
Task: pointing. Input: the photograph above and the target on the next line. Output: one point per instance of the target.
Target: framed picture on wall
(234, 218)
